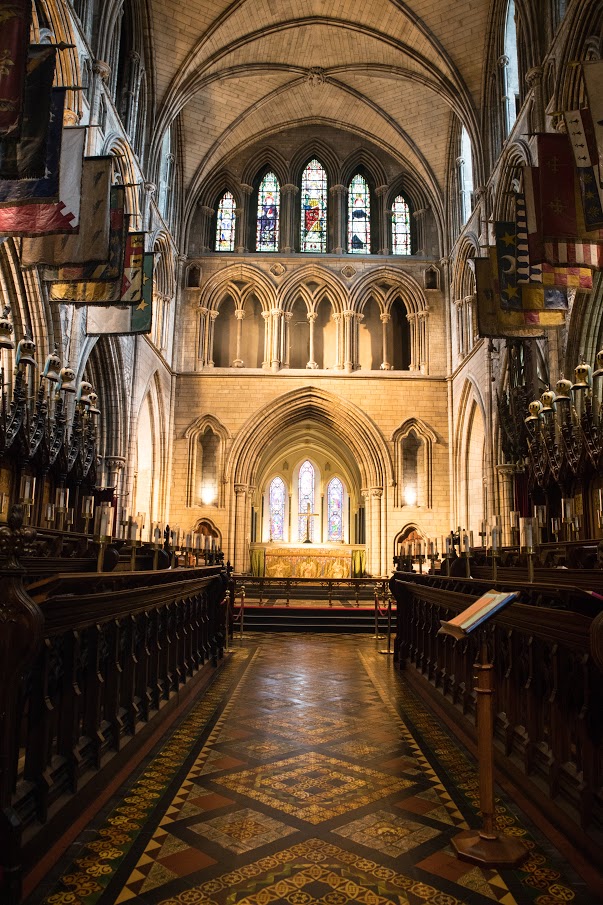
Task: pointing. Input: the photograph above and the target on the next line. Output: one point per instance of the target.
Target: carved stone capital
(239, 314)
(246, 189)
(533, 76)
(102, 69)
(338, 189)
(381, 190)
(385, 318)
(289, 189)
(150, 188)
(70, 117)
(240, 489)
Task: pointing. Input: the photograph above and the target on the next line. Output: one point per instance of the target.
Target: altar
(276, 560)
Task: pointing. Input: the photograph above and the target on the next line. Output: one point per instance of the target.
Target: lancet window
(225, 223)
(276, 499)
(359, 216)
(335, 510)
(465, 171)
(267, 227)
(510, 69)
(306, 499)
(314, 208)
(401, 227)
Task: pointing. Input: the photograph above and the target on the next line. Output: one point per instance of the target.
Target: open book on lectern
(480, 611)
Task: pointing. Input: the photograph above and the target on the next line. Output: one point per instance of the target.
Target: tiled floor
(308, 773)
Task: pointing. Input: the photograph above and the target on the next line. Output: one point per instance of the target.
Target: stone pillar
(240, 528)
(267, 341)
(338, 342)
(288, 218)
(412, 320)
(210, 338)
(203, 321)
(339, 195)
(275, 360)
(421, 238)
(383, 237)
(286, 338)
(534, 82)
(239, 314)
(206, 218)
(312, 319)
(149, 193)
(386, 321)
(376, 494)
(348, 341)
(242, 221)
(102, 74)
(422, 331)
(366, 495)
(506, 497)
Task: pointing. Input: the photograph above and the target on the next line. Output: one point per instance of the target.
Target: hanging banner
(62, 216)
(127, 288)
(132, 319)
(25, 158)
(91, 243)
(45, 188)
(15, 23)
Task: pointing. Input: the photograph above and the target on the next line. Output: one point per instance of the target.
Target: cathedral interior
(301, 310)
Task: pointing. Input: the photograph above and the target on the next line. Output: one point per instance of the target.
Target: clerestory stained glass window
(400, 227)
(314, 208)
(306, 501)
(225, 224)
(277, 509)
(335, 509)
(266, 237)
(359, 216)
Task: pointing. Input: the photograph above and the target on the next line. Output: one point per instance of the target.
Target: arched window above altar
(306, 490)
(335, 510)
(276, 500)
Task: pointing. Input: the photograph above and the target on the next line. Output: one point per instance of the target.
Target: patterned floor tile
(388, 834)
(242, 831)
(313, 787)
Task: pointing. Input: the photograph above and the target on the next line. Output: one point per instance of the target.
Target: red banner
(557, 186)
(15, 21)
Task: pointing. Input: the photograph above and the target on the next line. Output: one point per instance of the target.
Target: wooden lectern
(485, 847)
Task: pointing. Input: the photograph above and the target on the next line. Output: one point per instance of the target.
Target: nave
(308, 772)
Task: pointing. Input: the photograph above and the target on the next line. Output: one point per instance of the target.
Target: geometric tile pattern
(307, 773)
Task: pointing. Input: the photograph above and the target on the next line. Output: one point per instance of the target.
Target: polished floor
(307, 773)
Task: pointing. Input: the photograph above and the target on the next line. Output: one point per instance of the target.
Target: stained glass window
(400, 227)
(269, 193)
(359, 216)
(335, 509)
(314, 208)
(277, 509)
(306, 499)
(225, 226)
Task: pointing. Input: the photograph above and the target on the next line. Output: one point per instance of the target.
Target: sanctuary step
(309, 616)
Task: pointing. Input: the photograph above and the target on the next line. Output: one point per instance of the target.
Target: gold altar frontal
(308, 560)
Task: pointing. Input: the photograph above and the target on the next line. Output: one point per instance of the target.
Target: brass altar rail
(548, 659)
(264, 589)
(108, 658)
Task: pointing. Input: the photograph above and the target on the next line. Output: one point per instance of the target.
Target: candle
(514, 518)
(133, 530)
(471, 544)
(88, 506)
(197, 541)
(447, 546)
(50, 512)
(105, 520)
(495, 538)
(62, 498)
(28, 489)
(466, 543)
(431, 547)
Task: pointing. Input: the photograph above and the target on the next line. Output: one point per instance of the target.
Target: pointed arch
(196, 433)
(413, 462)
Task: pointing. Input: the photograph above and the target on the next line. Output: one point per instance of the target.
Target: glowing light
(208, 494)
(410, 496)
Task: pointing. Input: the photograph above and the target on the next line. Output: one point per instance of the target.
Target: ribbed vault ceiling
(390, 71)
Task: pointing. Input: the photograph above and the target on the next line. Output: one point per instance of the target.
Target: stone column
(366, 495)
(288, 218)
(338, 343)
(386, 321)
(240, 527)
(275, 361)
(348, 350)
(419, 216)
(383, 243)
(376, 494)
(239, 314)
(412, 320)
(267, 340)
(102, 74)
(286, 338)
(506, 497)
(203, 319)
(206, 217)
(210, 338)
(311, 319)
(242, 221)
(422, 330)
(339, 195)
(534, 82)
(149, 193)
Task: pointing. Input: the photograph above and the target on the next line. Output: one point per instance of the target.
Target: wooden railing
(548, 657)
(265, 589)
(90, 667)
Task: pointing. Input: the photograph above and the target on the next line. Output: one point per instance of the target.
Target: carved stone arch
(206, 527)
(323, 153)
(409, 533)
(193, 434)
(515, 157)
(470, 427)
(214, 189)
(463, 276)
(316, 280)
(584, 27)
(103, 367)
(240, 277)
(268, 158)
(124, 168)
(416, 430)
(67, 69)
(155, 483)
(391, 282)
(363, 160)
